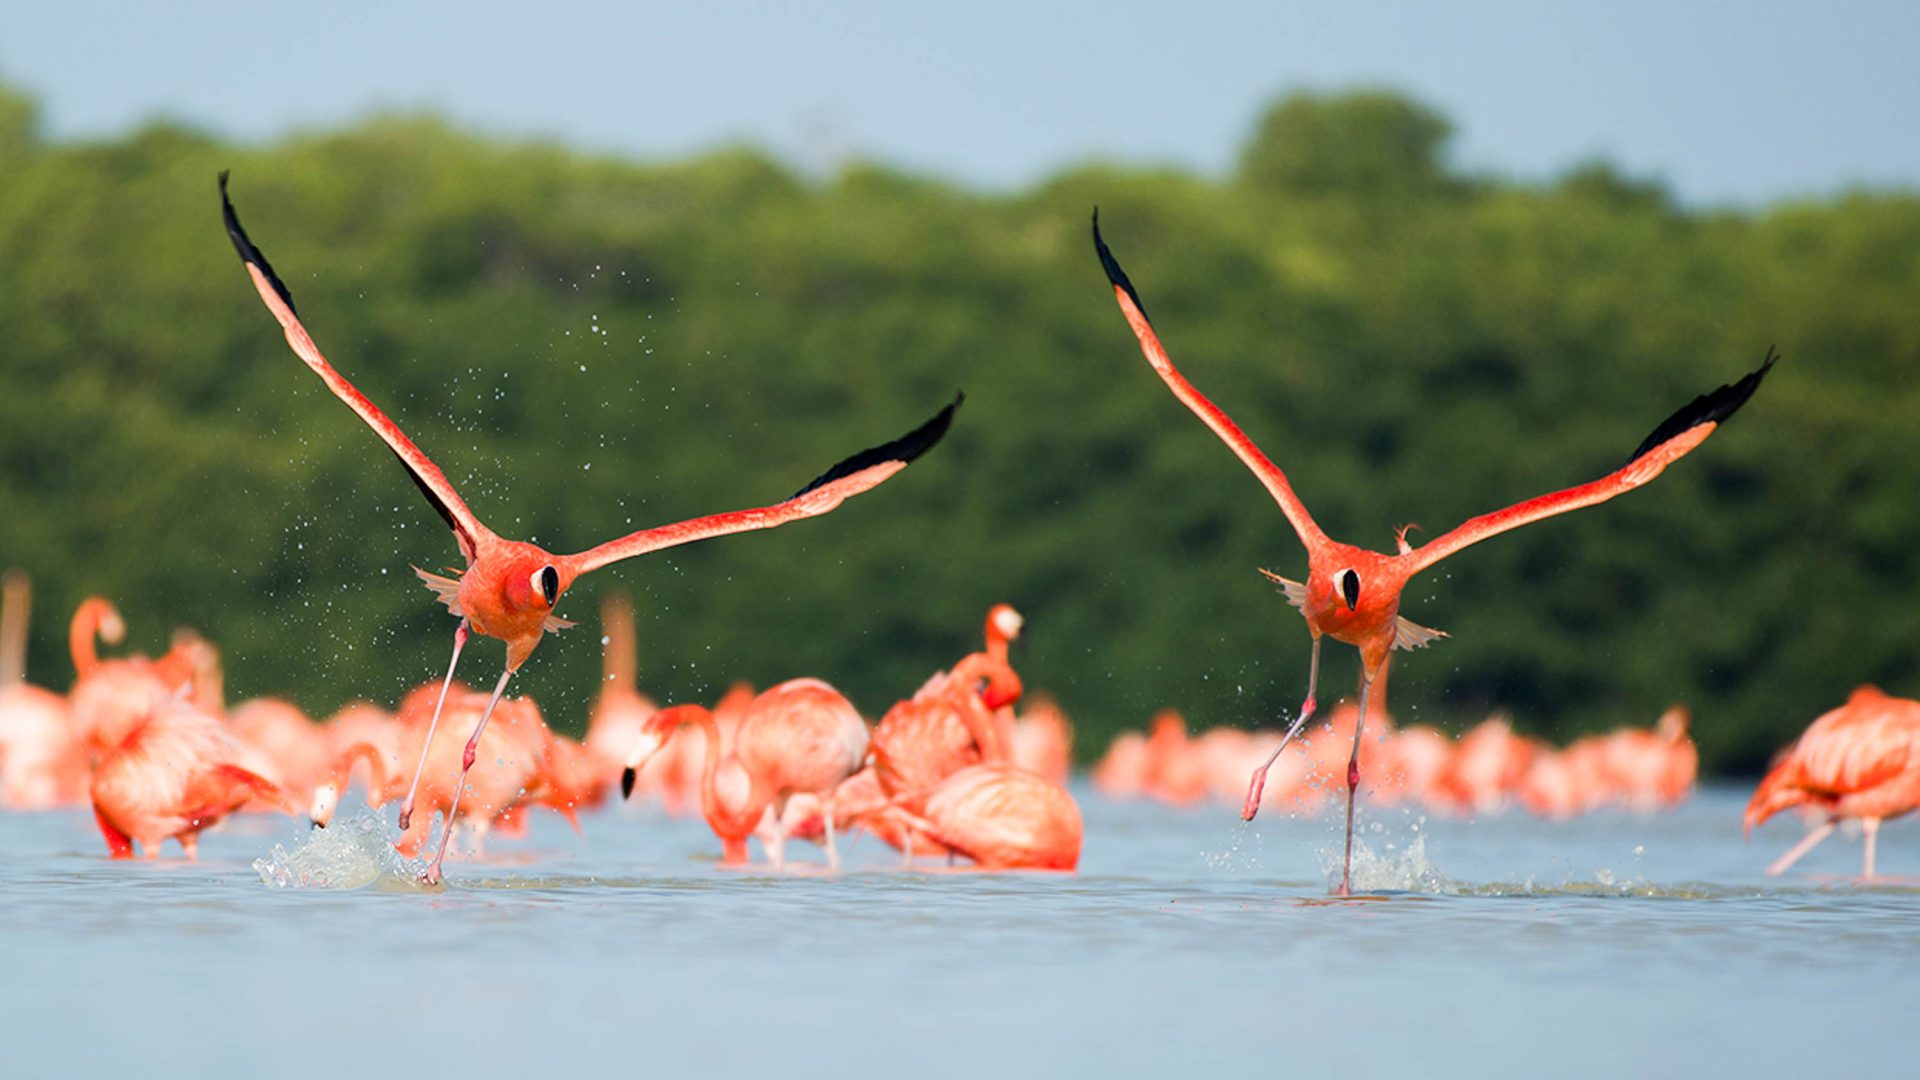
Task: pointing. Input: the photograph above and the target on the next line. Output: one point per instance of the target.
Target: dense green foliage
(590, 345)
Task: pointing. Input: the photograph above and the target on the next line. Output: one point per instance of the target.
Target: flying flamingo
(801, 737)
(1353, 594)
(509, 587)
(1862, 760)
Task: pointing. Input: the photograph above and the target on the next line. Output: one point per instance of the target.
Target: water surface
(1189, 945)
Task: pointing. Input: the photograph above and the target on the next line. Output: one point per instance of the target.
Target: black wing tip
(1710, 408)
(1111, 265)
(903, 449)
(244, 244)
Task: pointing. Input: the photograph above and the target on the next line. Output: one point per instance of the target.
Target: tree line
(588, 345)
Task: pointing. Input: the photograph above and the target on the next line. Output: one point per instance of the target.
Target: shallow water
(1189, 944)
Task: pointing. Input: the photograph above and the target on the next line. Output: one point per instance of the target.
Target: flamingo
(41, 764)
(514, 744)
(957, 718)
(326, 794)
(1861, 760)
(175, 774)
(801, 737)
(620, 710)
(1004, 817)
(1645, 769)
(1043, 740)
(509, 587)
(1353, 594)
(110, 697)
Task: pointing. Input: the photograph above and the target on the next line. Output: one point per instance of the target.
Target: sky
(1728, 103)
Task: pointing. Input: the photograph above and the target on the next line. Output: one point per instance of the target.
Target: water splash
(352, 853)
(1394, 869)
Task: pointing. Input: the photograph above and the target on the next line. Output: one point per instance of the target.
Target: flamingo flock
(151, 746)
(965, 768)
(1487, 770)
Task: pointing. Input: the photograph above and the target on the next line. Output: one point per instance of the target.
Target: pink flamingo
(1862, 761)
(1352, 594)
(174, 775)
(509, 588)
(326, 794)
(801, 737)
(42, 765)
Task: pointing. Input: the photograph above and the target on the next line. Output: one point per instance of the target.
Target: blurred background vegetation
(589, 345)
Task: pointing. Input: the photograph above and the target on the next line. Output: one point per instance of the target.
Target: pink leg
(1805, 845)
(1258, 785)
(432, 876)
(406, 805)
(1353, 779)
(1871, 827)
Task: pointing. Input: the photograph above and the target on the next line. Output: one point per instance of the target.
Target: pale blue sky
(1728, 102)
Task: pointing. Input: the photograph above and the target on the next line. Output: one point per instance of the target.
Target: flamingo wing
(861, 472)
(426, 475)
(1209, 413)
(1671, 441)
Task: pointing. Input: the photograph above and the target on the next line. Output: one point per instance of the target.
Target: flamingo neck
(87, 620)
(733, 825)
(16, 604)
(376, 771)
(618, 658)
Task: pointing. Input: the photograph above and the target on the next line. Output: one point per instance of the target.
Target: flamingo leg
(1871, 827)
(1353, 777)
(1258, 784)
(1805, 845)
(432, 876)
(826, 815)
(406, 805)
(775, 840)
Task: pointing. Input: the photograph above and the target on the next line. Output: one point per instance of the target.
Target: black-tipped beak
(627, 777)
(1350, 589)
(318, 824)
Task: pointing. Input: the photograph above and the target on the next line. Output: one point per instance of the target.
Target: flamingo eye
(1349, 583)
(546, 582)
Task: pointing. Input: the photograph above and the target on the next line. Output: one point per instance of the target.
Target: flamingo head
(326, 799)
(1004, 623)
(648, 744)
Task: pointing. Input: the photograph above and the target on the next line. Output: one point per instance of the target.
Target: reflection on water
(1190, 944)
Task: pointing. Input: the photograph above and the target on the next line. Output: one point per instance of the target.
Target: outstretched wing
(1670, 442)
(426, 475)
(863, 471)
(1222, 425)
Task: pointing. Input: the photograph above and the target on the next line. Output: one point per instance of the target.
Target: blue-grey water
(1188, 945)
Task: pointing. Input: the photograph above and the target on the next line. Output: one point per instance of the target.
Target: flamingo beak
(326, 798)
(643, 750)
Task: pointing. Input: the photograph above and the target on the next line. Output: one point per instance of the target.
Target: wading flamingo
(1352, 594)
(801, 737)
(176, 773)
(326, 795)
(509, 587)
(42, 765)
(1004, 817)
(1862, 760)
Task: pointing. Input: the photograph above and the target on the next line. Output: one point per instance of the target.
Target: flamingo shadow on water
(509, 587)
(1352, 594)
